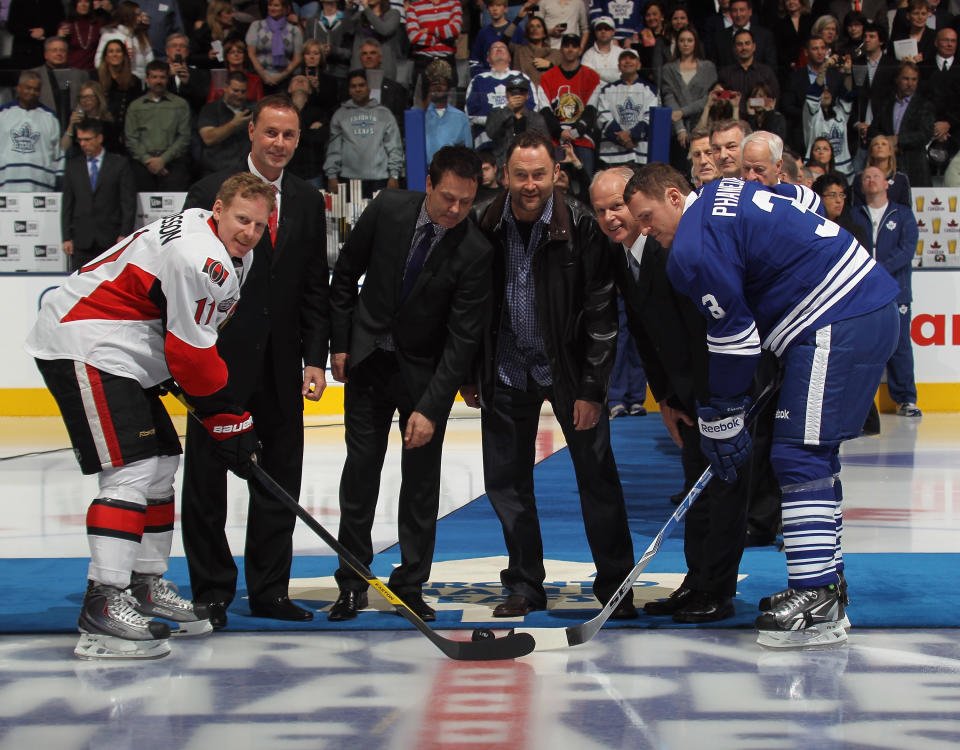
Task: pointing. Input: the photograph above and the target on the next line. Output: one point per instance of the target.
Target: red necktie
(272, 221)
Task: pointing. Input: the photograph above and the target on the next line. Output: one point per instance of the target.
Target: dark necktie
(634, 265)
(94, 173)
(417, 258)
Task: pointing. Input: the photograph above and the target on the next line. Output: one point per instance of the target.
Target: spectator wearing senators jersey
(568, 97)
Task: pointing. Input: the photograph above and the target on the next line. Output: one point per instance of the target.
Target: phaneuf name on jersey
(727, 197)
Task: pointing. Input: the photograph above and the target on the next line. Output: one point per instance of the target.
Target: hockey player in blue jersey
(769, 273)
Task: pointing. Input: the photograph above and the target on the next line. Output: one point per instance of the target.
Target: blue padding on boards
(658, 148)
(415, 141)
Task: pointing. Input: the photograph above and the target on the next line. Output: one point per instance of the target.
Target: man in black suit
(275, 342)
(723, 41)
(391, 94)
(552, 336)
(670, 335)
(99, 197)
(404, 344)
(940, 83)
(908, 119)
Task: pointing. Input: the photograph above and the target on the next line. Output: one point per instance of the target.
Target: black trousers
(715, 527)
(509, 429)
(268, 551)
(375, 392)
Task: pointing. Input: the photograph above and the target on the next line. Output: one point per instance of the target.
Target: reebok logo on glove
(722, 428)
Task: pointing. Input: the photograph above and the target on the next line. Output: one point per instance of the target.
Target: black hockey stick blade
(510, 646)
(574, 635)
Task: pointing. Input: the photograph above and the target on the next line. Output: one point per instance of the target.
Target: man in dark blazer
(909, 118)
(275, 347)
(670, 336)
(99, 197)
(723, 41)
(404, 344)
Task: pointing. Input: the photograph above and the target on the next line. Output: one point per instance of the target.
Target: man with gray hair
(762, 157)
(670, 336)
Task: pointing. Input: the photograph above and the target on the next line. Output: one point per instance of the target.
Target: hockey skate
(807, 618)
(112, 629)
(156, 597)
(775, 600)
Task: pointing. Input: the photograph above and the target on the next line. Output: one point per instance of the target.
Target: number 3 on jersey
(764, 201)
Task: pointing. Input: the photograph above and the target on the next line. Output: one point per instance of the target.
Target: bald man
(670, 337)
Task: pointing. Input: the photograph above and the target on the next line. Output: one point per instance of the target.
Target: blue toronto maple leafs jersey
(765, 269)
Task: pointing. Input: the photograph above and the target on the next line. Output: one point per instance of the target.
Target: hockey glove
(236, 442)
(724, 438)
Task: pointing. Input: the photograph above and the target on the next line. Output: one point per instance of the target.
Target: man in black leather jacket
(552, 337)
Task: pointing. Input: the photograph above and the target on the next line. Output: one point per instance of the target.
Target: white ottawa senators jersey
(149, 307)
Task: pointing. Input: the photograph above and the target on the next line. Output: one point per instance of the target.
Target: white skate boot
(156, 597)
(112, 629)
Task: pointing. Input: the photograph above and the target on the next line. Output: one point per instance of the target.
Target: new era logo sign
(20, 227)
(39, 201)
(3, 251)
(3, 201)
(156, 201)
(39, 251)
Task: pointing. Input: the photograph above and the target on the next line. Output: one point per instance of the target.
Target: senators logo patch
(216, 271)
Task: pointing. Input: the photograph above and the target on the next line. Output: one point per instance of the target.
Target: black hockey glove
(236, 441)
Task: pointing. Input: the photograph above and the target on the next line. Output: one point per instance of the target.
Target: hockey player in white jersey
(767, 272)
(145, 311)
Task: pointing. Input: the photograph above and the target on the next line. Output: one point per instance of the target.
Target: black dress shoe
(216, 612)
(420, 608)
(279, 608)
(704, 607)
(516, 605)
(347, 605)
(671, 604)
(625, 611)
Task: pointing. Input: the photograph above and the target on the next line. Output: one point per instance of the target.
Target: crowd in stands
(844, 83)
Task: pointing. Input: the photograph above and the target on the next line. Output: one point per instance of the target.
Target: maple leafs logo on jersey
(215, 270)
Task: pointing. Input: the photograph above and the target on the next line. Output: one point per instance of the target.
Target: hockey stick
(484, 647)
(574, 635)
(510, 646)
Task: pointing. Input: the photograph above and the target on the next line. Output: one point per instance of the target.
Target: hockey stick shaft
(510, 646)
(574, 635)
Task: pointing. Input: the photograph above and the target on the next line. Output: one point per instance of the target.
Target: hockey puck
(482, 634)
